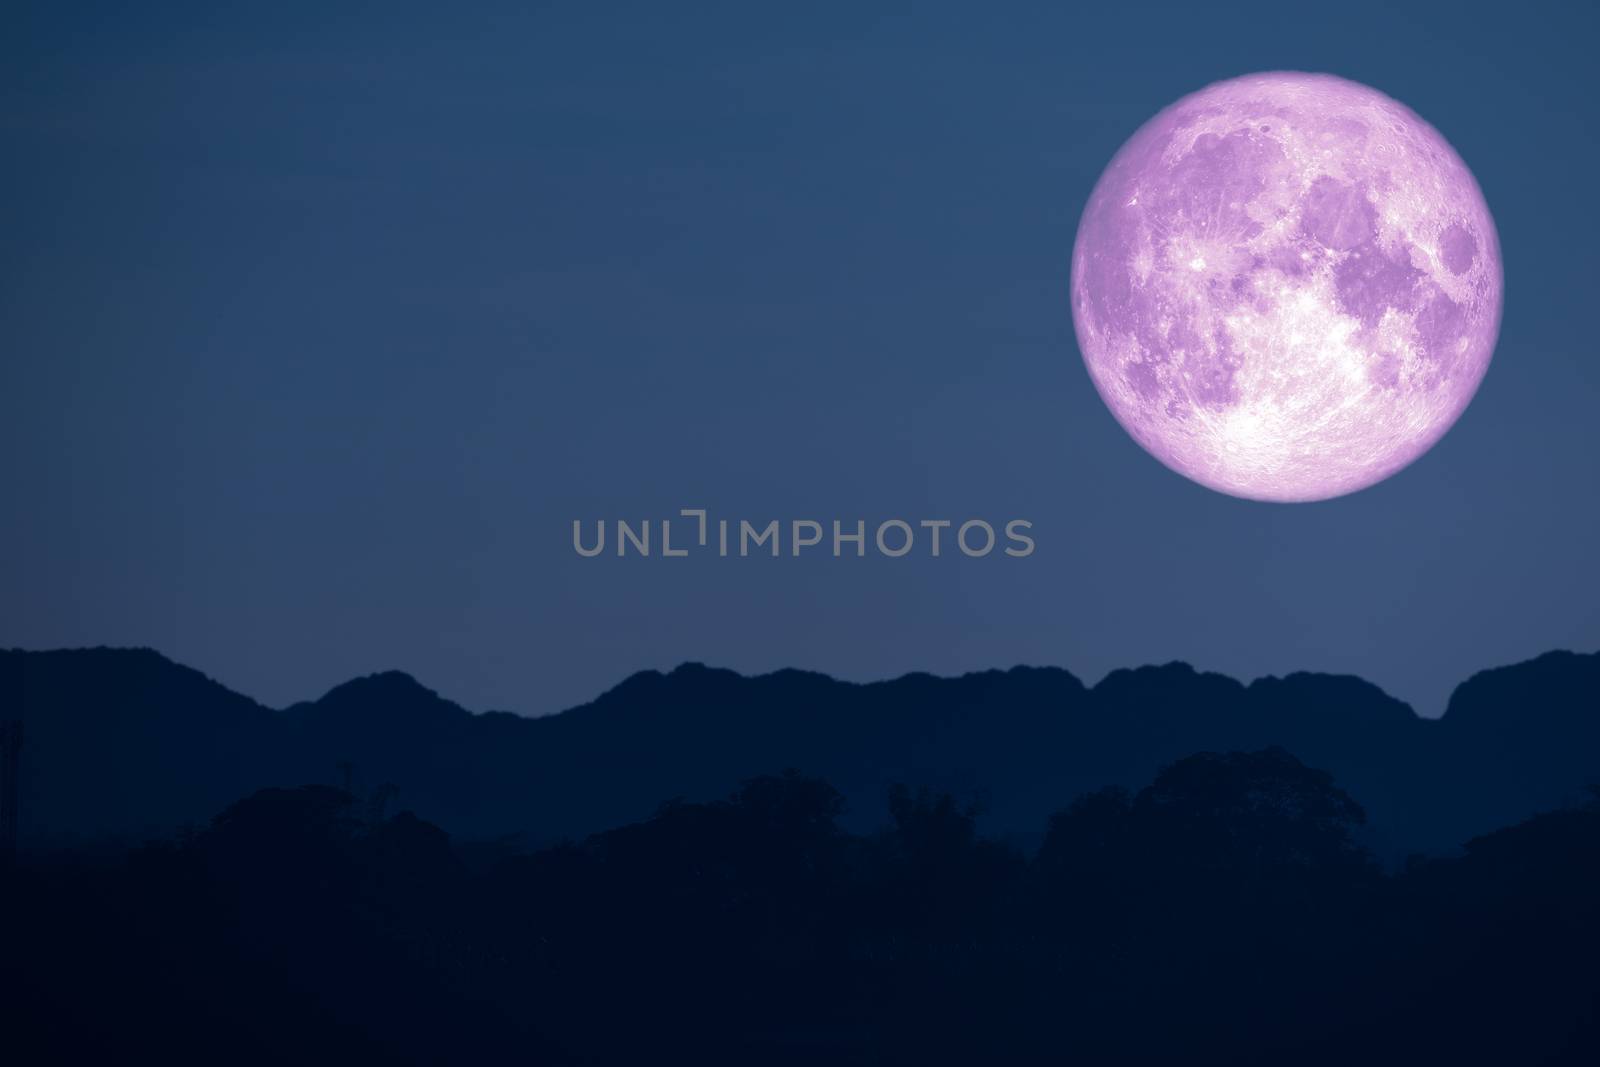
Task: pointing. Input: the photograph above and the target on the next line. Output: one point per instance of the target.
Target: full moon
(1286, 286)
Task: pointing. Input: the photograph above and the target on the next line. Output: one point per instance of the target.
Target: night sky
(318, 329)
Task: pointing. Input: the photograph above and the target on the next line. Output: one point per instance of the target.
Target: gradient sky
(318, 329)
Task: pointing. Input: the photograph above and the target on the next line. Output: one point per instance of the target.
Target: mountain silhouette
(124, 744)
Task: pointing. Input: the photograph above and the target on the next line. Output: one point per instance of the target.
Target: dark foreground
(1221, 915)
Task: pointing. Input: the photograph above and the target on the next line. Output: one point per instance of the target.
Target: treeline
(1222, 914)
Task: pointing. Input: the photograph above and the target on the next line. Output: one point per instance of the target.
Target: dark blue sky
(317, 330)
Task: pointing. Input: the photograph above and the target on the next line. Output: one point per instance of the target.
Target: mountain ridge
(128, 742)
(687, 667)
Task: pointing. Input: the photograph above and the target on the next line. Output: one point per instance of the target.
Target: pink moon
(1286, 286)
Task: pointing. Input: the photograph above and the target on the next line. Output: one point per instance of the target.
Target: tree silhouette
(1224, 913)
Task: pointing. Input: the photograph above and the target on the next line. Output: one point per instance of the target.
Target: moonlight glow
(1286, 286)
